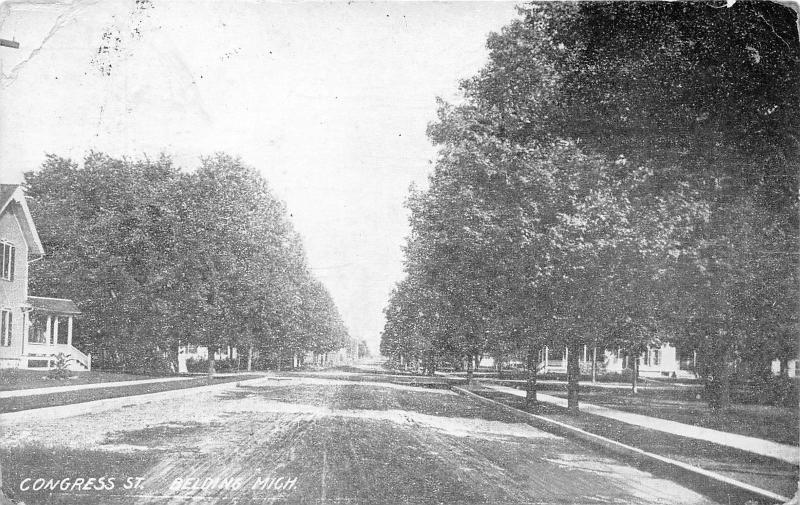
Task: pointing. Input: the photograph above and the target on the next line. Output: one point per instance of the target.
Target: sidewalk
(95, 406)
(783, 452)
(61, 389)
(647, 385)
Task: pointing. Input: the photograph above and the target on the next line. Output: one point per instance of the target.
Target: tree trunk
(594, 364)
(250, 358)
(718, 389)
(635, 375)
(532, 365)
(470, 361)
(573, 375)
(724, 386)
(211, 366)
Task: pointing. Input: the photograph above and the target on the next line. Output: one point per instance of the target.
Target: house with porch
(655, 362)
(34, 330)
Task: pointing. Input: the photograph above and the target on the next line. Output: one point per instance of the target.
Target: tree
(107, 229)
(158, 258)
(589, 72)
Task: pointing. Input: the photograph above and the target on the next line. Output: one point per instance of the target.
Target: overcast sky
(329, 101)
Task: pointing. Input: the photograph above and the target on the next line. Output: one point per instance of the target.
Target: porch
(49, 332)
(555, 360)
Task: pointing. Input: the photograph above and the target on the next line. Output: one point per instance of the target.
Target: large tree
(610, 153)
(157, 258)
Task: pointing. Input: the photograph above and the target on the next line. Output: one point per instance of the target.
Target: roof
(6, 191)
(12, 197)
(53, 305)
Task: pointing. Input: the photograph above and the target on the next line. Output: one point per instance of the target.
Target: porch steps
(77, 360)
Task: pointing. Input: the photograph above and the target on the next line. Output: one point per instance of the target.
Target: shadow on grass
(360, 396)
(422, 381)
(15, 378)
(760, 471)
(778, 424)
(100, 393)
(153, 435)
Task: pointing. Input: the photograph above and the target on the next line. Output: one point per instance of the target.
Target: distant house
(655, 362)
(663, 361)
(33, 329)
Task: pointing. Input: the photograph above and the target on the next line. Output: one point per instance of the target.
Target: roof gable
(12, 199)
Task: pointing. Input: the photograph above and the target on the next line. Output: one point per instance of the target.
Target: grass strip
(84, 395)
(766, 473)
(12, 379)
(778, 424)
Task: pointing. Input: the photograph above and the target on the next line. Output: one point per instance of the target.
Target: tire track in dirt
(359, 444)
(238, 453)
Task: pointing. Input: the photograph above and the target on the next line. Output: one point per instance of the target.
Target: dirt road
(314, 441)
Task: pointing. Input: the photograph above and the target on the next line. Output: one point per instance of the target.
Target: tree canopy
(617, 172)
(156, 257)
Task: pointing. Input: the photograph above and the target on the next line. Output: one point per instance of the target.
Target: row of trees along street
(158, 258)
(617, 175)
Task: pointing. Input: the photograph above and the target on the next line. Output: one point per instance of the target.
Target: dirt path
(317, 441)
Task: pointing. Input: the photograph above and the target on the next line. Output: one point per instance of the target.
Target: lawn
(356, 375)
(351, 396)
(763, 472)
(778, 424)
(14, 378)
(84, 395)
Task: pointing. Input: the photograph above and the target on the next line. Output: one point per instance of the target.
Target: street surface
(314, 440)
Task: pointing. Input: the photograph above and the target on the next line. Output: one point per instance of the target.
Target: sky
(329, 101)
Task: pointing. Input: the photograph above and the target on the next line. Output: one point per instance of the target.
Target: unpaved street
(314, 441)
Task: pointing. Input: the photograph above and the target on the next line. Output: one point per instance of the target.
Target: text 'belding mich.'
(234, 484)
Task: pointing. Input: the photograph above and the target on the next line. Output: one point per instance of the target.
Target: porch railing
(46, 351)
(80, 357)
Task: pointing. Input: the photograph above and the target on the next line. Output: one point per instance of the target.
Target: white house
(661, 361)
(656, 361)
(33, 329)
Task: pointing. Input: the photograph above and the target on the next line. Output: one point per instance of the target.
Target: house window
(6, 321)
(37, 332)
(656, 357)
(7, 261)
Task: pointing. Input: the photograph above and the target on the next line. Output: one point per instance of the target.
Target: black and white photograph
(399, 252)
